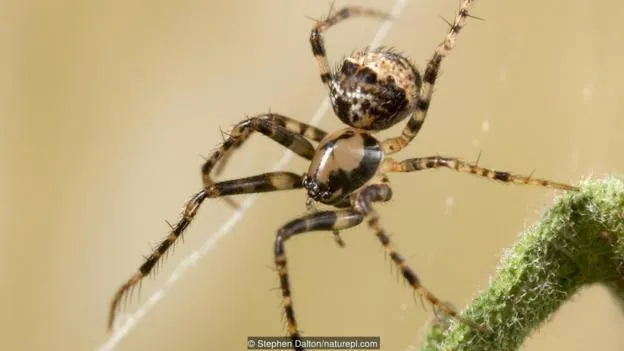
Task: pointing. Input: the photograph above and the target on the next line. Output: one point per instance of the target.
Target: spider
(370, 91)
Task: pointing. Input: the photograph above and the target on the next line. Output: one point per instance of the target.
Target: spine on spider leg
(430, 75)
(578, 242)
(150, 262)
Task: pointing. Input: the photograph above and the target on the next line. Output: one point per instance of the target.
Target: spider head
(316, 190)
(374, 90)
(343, 162)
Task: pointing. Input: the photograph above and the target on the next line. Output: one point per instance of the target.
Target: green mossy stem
(577, 242)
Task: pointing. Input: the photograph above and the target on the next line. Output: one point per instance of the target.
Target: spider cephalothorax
(371, 91)
(343, 162)
(374, 90)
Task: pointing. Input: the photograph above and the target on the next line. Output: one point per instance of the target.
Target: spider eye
(326, 196)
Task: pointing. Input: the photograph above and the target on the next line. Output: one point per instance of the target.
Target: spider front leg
(286, 131)
(324, 220)
(316, 36)
(421, 105)
(263, 123)
(383, 193)
(433, 162)
(256, 184)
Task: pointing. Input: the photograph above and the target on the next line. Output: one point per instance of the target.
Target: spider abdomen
(374, 90)
(343, 162)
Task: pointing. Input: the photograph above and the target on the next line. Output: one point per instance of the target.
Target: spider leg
(256, 184)
(421, 105)
(382, 193)
(316, 37)
(338, 238)
(240, 133)
(286, 131)
(432, 162)
(345, 203)
(323, 220)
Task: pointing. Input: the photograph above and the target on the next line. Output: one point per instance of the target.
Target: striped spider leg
(420, 105)
(263, 123)
(317, 221)
(267, 182)
(361, 209)
(285, 131)
(382, 193)
(434, 162)
(243, 130)
(347, 164)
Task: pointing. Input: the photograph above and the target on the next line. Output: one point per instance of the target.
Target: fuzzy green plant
(577, 242)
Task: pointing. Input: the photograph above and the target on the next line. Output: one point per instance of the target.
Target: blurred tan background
(107, 107)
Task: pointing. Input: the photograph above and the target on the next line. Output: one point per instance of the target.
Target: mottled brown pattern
(373, 90)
